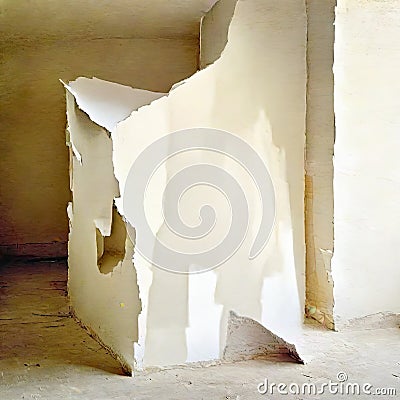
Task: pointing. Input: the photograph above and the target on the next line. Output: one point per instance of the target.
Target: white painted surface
(367, 169)
(257, 91)
(108, 103)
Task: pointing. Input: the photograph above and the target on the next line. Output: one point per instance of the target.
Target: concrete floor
(44, 354)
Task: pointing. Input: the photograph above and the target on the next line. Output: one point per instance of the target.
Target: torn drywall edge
(70, 144)
(206, 12)
(222, 12)
(111, 249)
(107, 103)
(103, 225)
(218, 4)
(176, 87)
(248, 339)
(134, 100)
(122, 275)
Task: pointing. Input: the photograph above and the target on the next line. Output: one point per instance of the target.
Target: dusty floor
(44, 354)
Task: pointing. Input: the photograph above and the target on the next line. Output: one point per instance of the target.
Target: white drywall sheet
(257, 92)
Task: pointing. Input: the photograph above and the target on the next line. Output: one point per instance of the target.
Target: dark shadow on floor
(36, 329)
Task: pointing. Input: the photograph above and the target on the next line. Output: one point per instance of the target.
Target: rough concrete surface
(44, 354)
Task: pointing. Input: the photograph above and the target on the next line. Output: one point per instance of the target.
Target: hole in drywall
(111, 249)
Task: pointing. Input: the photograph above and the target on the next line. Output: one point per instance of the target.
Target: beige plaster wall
(319, 160)
(365, 264)
(34, 187)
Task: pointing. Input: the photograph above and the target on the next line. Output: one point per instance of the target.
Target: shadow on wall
(111, 249)
(272, 119)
